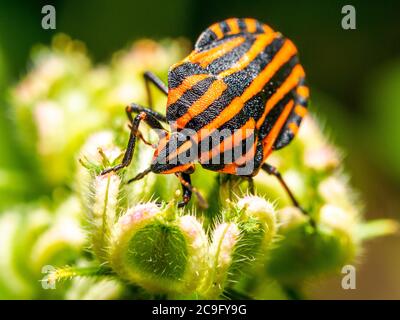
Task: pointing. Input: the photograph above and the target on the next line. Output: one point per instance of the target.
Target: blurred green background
(354, 76)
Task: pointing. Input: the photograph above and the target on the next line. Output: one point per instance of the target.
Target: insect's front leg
(188, 189)
(135, 108)
(135, 122)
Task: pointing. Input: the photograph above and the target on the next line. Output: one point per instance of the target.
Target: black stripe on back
(224, 27)
(286, 135)
(242, 25)
(205, 39)
(227, 60)
(259, 27)
(237, 83)
(274, 114)
(231, 155)
(181, 72)
(280, 77)
(254, 107)
(186, 100)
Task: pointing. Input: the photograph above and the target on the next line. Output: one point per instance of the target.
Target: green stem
(66, 273)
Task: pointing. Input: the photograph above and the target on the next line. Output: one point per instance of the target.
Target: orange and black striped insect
(241, 77)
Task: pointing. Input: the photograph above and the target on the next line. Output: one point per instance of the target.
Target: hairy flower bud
(102, 215)
(263, 212)
(241, 244)
(159, 253)
(224, 241)
(306, 253)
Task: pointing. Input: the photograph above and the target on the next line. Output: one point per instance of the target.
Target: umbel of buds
(166, 250)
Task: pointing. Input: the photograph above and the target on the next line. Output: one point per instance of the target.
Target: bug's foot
(184, 202)
(311, 220)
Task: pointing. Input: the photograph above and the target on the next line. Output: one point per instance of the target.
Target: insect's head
(173, 154)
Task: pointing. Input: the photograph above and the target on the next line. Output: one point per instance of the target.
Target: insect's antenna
(140, 175)
(202, 202)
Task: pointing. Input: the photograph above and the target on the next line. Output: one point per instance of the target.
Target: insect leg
(274, 171)
(150, 120)
(135, 108)
(188, 189)
(150, 77)
(251, 185)
(140, 175)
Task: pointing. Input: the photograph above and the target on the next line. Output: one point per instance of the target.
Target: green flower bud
(306, 253)
(263, 212)
(159, 252)
(224, 241)
(98, 152)
(103, 213)
(240, 245)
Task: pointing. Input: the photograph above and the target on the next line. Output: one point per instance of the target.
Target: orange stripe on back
(204, 58)
(231, 168)
(258, 46)
(267, 29)
(212, 94)
(293, 127)
(217, 30)
(250, 25)
(233, 26)
(284, 54)
(269, 140)
(187, 83)
(300, 110)
(290, 82)
(303, 91)
(230, 142)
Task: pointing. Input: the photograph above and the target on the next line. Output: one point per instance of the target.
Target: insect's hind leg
(145, 115)
(274, 171)
(150, 77)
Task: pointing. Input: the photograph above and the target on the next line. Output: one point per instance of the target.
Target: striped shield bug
(243, 79)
